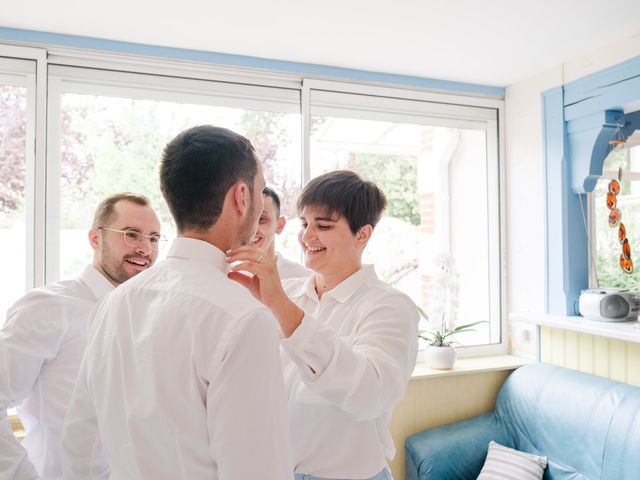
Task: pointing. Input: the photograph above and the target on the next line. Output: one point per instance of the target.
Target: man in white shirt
(270, 224)
(182, 376)
(44, 336)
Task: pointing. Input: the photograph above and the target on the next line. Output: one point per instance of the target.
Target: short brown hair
(106, 208)
(359, 201)
(198, 168)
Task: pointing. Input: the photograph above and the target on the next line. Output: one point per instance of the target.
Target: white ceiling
(490, 42)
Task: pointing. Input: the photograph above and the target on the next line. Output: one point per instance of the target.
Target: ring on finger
(259, 258)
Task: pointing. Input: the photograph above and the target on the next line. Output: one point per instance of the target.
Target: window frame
(35, 181)
(113, 83)
(495, 148)
(43, 207)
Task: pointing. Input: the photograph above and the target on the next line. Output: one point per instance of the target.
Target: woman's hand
(265, 284)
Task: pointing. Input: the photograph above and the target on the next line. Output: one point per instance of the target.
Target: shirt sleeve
(366, 374)
(34, 329)
(14, 463)
(82, 455)
(246, 405)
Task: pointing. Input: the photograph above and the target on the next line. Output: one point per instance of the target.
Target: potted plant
(443, 308)
(440, 353)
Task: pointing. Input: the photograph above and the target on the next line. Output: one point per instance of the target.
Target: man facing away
(44, 335)
(182, 376)
(270, 224)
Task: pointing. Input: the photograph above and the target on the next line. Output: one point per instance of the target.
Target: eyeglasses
(615, 218)
(134, 237)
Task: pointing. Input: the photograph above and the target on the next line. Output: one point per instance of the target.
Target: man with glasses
(182, 377)
(43, 338)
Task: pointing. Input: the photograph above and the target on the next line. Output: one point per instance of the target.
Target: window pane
(14, 127)
(114, 143)
(608, 246)
(435, 180)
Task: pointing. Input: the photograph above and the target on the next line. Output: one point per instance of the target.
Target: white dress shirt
(181, 380)
(345, 367)
(288, 269)
(14, 462)
(41, 346)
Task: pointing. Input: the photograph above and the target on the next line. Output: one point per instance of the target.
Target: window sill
(627, 331)
(465, 366)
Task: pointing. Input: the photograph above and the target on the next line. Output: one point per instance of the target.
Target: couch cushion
(504, 463)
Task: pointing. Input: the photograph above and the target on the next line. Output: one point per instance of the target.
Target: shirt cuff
(301, 336)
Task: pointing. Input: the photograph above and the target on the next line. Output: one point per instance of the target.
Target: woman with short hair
(350, 340)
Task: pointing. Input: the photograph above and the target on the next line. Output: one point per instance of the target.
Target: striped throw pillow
(504, 463)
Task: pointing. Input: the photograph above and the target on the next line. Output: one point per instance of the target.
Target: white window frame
(42, 194)
(35, 181)
(82, 80)
(495, 150)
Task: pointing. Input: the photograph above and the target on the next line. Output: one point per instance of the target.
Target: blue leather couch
(588, 427)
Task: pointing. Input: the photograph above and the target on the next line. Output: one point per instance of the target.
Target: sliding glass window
(435, 155)
(107, 131)
(438, 165)
(17, 123)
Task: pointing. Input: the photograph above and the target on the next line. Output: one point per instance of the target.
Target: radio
(609, 304)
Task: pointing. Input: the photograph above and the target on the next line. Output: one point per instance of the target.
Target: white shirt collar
(341, 292)
(198, 250)
(96, 281)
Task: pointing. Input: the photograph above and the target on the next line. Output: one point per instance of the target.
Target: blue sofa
(588, 427)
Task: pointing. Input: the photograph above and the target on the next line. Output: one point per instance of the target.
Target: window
(17, 113)
(435, 155)
(622, 165)
(110, 131)
(438, 166)
(17, 179)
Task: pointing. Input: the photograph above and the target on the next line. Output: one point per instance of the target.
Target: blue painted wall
(579, 119)
(308, 69)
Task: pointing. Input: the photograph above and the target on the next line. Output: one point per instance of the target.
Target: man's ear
(94, 238)
(280, 224)
(364, 234)
(241, 197)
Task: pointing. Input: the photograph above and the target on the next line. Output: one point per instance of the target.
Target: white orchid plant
(443, 306)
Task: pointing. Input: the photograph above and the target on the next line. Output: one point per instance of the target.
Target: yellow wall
(435, 401)
(605, 357)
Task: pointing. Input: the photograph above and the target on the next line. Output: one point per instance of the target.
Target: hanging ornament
(615, 220)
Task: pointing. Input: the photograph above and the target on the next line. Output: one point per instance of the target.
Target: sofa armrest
(453, 452)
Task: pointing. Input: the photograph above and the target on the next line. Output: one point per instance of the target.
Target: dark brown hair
(344, 192)
(198, 168)
(269, 192)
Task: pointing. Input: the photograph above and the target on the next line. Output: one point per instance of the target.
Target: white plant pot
(441, 358)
